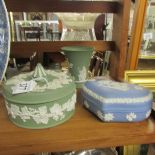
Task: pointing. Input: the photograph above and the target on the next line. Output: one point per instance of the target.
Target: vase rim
(77, 48)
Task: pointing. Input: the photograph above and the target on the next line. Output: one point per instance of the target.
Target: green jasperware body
(79, 59)
(46, 106)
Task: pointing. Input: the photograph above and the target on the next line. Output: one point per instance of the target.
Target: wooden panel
(26, 49)
(137, 32)
(120, 36)
(82, 131)
(60, 6)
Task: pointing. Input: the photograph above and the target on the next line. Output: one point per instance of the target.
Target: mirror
(41, 26)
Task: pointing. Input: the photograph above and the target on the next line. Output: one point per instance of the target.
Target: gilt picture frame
(145, 78)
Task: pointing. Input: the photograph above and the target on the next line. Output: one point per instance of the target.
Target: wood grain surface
(26, 49)
(137, 33)
(82, 131)
(120, 36)
(60, 6)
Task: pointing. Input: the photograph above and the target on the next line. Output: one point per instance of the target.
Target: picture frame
(144, 78)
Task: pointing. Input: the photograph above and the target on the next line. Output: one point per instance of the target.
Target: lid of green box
(57, 85)
(76, 48)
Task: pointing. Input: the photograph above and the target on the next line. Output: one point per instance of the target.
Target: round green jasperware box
(50, 103)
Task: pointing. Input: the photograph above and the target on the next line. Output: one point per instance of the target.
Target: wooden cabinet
(83, 131)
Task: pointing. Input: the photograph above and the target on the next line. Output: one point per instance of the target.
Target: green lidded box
(51, 102)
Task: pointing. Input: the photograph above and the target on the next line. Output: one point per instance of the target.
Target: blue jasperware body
(115, 101)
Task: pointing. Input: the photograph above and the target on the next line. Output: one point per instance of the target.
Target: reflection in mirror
(35, 26)
(148, 43)
(147, 53)
(38, 26)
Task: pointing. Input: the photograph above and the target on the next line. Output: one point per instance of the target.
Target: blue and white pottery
(4, 39)
(117, 101)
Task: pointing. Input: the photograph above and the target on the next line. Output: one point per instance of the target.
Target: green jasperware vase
(79, 59)
(51, 102)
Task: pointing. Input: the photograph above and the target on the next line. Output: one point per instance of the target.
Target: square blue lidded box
(115, 101)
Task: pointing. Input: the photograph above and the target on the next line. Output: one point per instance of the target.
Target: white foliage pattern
(131, 116)
(60, 80)
(108, 117)
(41, 115)
(82, 74)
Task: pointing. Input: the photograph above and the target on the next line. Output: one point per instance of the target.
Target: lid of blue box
(112, 92)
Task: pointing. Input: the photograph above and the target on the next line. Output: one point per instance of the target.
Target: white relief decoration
(59, 80)
(100, 115)
(39, 72)
(108, 117)
(86, 104)
(57, 112)
(77, 35)
(138, 87)
(148, 113)
(127, 100)
(70, 65)
(42, 114)
(26, 113)
(113, 85)
(82, 74)
(131, 116)
(67, 106)
(14, 111)
(16, 79)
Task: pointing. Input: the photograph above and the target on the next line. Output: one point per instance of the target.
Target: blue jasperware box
(115, 101)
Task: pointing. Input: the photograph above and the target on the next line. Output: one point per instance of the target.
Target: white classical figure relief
(113, 85)
(82, 74)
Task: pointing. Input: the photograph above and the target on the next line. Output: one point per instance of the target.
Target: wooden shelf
(26, 49)
(82, 131)
(61, 6)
